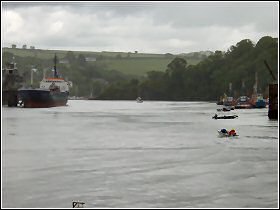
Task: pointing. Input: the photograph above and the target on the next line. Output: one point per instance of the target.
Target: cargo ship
(52, 92)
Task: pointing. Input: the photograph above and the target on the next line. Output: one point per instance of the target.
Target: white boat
(139, 100)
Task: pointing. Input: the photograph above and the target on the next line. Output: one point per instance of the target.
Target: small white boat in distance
(139, 100)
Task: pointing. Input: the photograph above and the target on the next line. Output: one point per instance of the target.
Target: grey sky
(150, 27)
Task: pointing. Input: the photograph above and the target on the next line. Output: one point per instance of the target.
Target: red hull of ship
(36, 104)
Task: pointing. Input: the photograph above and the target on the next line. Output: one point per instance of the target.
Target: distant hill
(232, 73)
(132, 63)
(200, 53)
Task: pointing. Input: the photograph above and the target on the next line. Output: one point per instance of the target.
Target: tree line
(207, 80)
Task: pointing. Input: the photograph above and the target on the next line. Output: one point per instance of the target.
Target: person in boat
(139, 100)
(224, 131)
(232, 132)
(226, 109)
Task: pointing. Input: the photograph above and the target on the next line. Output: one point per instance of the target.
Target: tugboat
(11, 81)
(52, 92)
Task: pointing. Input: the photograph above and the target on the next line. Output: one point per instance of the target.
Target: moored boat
(258, 101)
(226, 108)
(224, 117)
(243, 103)
(229, 101)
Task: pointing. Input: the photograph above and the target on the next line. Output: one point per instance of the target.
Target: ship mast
(54, 67)
(256, 83)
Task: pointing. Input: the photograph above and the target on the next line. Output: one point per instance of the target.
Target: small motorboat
(224, 117)
(139, 100)
(226, 109)
(224, 133)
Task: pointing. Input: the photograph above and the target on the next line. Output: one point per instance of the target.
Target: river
(123, 154)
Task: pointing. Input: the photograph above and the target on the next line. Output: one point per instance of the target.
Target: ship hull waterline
(38, 98)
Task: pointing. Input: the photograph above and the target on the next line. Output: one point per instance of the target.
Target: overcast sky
(148, 27)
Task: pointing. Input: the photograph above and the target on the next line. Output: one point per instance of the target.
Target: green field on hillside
(139, 66)
(42, 54)
(136, 64)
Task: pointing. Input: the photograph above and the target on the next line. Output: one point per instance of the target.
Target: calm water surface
(122, 154)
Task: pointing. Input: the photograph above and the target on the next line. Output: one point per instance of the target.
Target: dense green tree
(175, 80)
(154, 87)
(81, 60)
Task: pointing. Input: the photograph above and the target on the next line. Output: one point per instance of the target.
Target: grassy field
(128, 63)
(43, 54)
(139, 66)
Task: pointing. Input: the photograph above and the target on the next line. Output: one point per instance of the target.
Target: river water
(123, 154)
